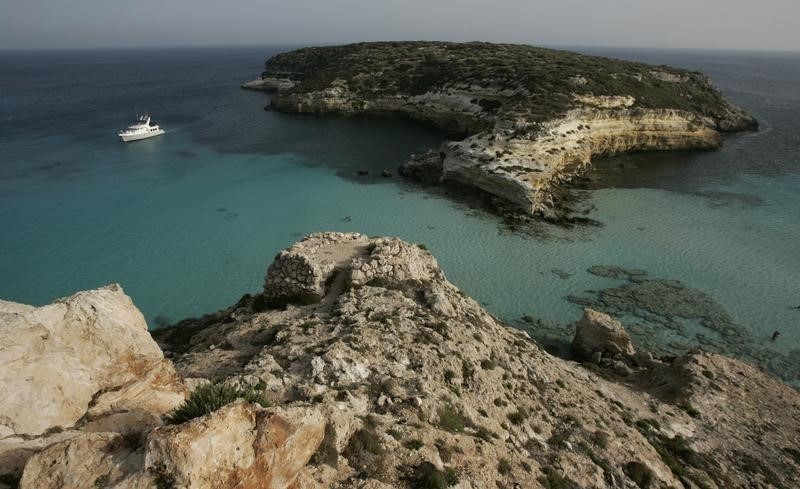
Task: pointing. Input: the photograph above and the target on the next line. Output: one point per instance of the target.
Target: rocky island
(360, 365)
(531, 118)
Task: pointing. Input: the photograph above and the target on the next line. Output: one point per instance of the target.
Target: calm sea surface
(188, 222)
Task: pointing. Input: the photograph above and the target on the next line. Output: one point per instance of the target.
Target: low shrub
(210, 397)
(452, 420)
(504, 466)
(427, 476)
(414, 444)
(518, 416)
(639, 473)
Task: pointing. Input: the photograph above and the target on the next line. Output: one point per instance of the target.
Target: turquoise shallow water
(188, 222)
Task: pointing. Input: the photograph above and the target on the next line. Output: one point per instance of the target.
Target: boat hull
(136, 137)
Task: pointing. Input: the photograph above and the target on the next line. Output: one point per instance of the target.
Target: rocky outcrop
(83, 362)
(240, 445)
(87, 460)
(426, 168)
(416, 382)
(86, 389)
(394, 378)
(599, 333)
(534, 117)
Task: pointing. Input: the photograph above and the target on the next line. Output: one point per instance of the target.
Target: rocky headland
(360, 365)
(532, 118)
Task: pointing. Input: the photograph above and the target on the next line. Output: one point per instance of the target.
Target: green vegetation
(414, 444)
(427, 476)
(504, 466)
(394, 434)
(558, 439)
(484, 434)
(600, 438)
(548, 77)
(210, 397)
(518, 416)
(690, 410)
(452, 420)
(639, 473)
(467, 370)
(552, 479)
(364, 451)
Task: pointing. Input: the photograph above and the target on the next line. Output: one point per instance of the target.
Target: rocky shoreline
(533, 118)
(360, 365)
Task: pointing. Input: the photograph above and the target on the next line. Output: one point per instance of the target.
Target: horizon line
(312, 44)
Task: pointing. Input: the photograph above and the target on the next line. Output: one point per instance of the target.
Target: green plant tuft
(210, 397)
(414, 444)
(504, 466)
(427, 476)
(452, 420)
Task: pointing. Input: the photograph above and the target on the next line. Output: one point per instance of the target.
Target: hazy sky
(727, 24)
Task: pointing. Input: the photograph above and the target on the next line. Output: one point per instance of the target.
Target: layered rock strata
(534, 117)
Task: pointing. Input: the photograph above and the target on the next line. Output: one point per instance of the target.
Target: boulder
(426, 168)
(87, 460)
(85, 361)
(240, 445)
(599, 332)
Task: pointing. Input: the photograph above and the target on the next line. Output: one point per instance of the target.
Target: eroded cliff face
(530, 126)
(381, 373)
(525, 168)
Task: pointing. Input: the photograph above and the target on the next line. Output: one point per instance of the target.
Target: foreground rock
(534, 117)
(417, 383)
(600, 334)
(381, 374)
(83, 362)
(240, 445)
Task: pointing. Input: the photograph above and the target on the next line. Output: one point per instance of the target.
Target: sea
(694, 250)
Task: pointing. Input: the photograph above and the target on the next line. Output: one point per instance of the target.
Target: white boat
(143, 129)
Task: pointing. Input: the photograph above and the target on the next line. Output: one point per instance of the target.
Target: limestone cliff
(381, 373)
(534, 117)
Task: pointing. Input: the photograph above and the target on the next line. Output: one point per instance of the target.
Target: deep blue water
(188, 222)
